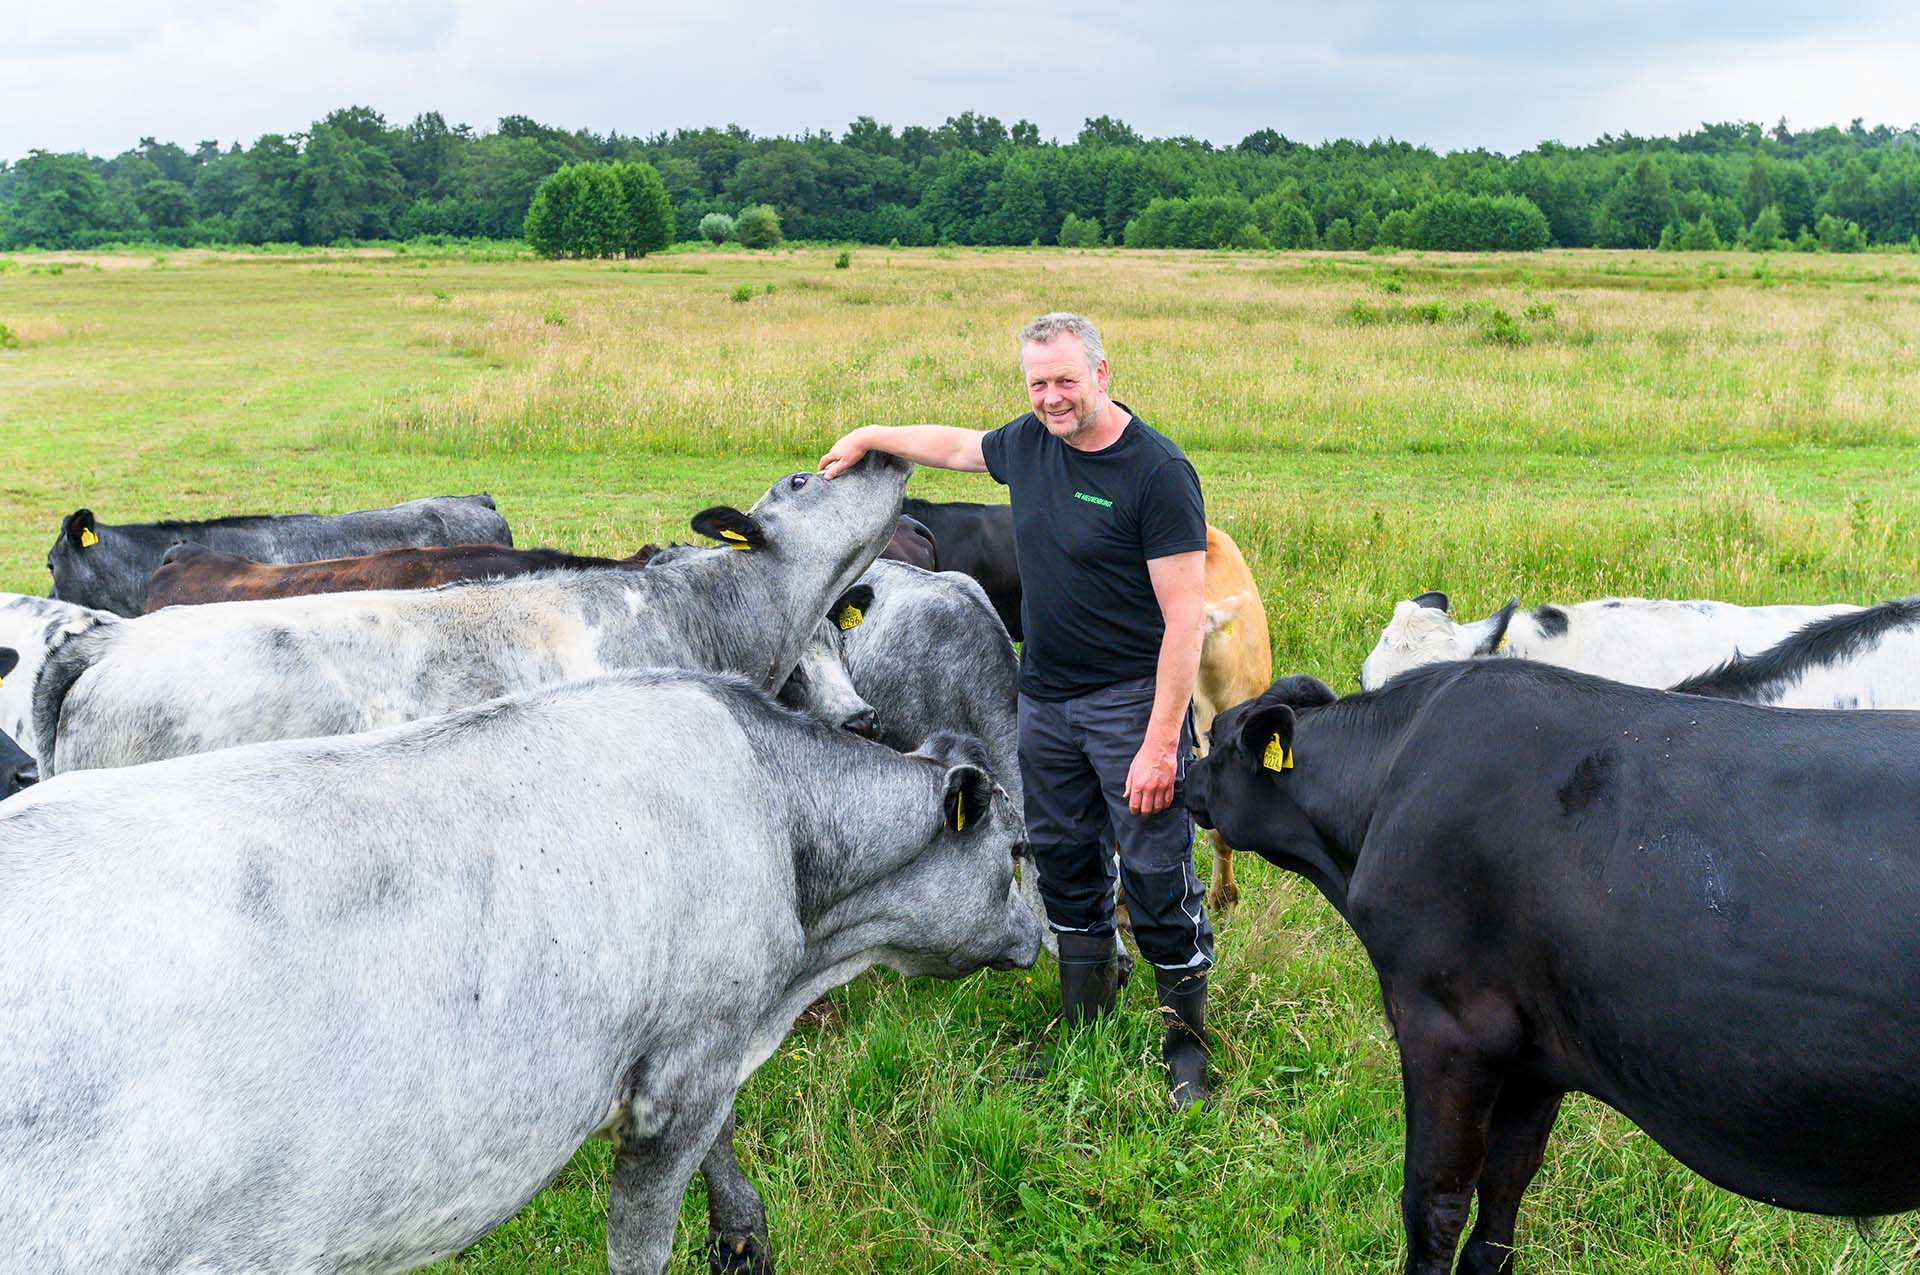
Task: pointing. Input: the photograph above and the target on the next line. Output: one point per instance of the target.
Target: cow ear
(79, 529)
(9, 660)
(1434, 600)
(1266, 734)
(850, 612)
(964, 801)
(1494, 633)
(729, 526)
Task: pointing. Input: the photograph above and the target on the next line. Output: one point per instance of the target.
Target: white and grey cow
(1862, 659)
(31, 627)
(344, 1005)
(18, 769)
(108, 565)
(193, 679)
(1639, 641)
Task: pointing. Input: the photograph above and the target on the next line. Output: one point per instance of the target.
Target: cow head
(17, 769)
(807, 540)
(77, 560)
(953, 908)
(1242, 786)
(819, 685)
(1421, 632)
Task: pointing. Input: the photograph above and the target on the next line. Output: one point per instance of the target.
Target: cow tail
(71, 655)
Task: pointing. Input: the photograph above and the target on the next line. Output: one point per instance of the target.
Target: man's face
(1066, 394)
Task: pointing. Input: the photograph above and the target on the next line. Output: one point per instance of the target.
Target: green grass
(1637, 423)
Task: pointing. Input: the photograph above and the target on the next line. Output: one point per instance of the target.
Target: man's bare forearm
(942, 446)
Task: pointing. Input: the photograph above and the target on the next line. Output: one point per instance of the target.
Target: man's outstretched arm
(942, 446)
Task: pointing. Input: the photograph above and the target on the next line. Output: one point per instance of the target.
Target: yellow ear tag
(850, 618)
(1501, 645)
(87, 539)
(1277, 756)
(735, 540)
(1226, 630)
(959, 821)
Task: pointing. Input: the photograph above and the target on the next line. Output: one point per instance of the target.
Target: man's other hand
(1150, 778)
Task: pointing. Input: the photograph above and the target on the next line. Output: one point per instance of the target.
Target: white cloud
(1477, 73)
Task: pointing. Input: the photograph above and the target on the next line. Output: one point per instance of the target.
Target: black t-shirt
(1084, 526)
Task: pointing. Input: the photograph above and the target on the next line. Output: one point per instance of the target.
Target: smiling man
(1111, 535)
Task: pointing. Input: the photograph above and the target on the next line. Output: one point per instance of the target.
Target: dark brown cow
(191, 573)
(914, 545)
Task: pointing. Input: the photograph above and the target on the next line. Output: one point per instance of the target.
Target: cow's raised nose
(865, 723)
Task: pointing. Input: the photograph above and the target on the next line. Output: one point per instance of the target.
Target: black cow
(1700, 912)
(17, 769)
(977, 540)
(108, 566)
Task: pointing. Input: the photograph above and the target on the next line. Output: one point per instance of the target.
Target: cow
(191, 574)
(1639, 641)
(107, 567)
(1698, 911)
(913, 544)
(347, 1004)
(1236, 663)
(976, 540)
(31, 626)
(18, 769)
(1860, 659)
(192, 679)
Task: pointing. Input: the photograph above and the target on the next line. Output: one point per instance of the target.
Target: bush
(1079, 232)
(1501, 328)
(647, 224)
(743, 293)
(843, 261)
(758, 227)
(716, 228)
(1454, 222)
(1836, 235)
(1248, 237)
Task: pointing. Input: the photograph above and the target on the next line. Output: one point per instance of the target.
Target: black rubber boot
(1183, 1010)
(1089, 977)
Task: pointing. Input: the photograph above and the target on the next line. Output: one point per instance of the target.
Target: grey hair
(1049, 326)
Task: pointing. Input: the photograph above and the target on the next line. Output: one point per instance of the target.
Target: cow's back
(1702, 912)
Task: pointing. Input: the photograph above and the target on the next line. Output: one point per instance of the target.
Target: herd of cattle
(355, 869)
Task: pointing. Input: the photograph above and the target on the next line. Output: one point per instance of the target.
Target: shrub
(1364, 314)
(758, 227)
(9, 339)
(1079, 232)
(1701, 236)
(843, 261)
(1248, 237)
(1501, 328)
(1805, 242)
(1836, 235)
(1161, 224)
(716, 228)
(743, 293)
(579, 211)
(1366, 229)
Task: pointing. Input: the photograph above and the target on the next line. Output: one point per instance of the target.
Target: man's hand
(844, 454)
(1150, 778)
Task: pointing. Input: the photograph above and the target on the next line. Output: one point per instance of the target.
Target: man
(1111, 535)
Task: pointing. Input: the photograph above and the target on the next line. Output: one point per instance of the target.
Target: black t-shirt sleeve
(996, 446)
(1173, 517)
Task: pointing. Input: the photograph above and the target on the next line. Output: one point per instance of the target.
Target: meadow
(1556, 426)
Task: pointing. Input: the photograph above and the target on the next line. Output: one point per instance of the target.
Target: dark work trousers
(1074, 756)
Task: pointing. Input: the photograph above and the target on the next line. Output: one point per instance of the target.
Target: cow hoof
(738, 1254)
(1222, 899)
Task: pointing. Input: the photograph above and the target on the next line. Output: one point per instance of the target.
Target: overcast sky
(98, 75)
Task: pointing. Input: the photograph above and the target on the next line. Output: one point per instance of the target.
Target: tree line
(353, 177)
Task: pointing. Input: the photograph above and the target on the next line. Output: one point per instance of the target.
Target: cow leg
(737, 1242)
(1516, 1142)
(651, 1170)
(1222, 893)
(1450, 1090)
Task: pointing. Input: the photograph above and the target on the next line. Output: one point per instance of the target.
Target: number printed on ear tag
(851, 618)
(1278, 756)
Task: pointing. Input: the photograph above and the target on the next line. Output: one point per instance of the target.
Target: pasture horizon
(1367, 426)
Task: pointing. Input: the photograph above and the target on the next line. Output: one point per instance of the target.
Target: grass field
(1558, 426)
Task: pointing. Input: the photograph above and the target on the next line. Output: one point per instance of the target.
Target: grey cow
(192, 679)
(31, 627)
(334, 1006)
(108, 566)
(18, 769)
